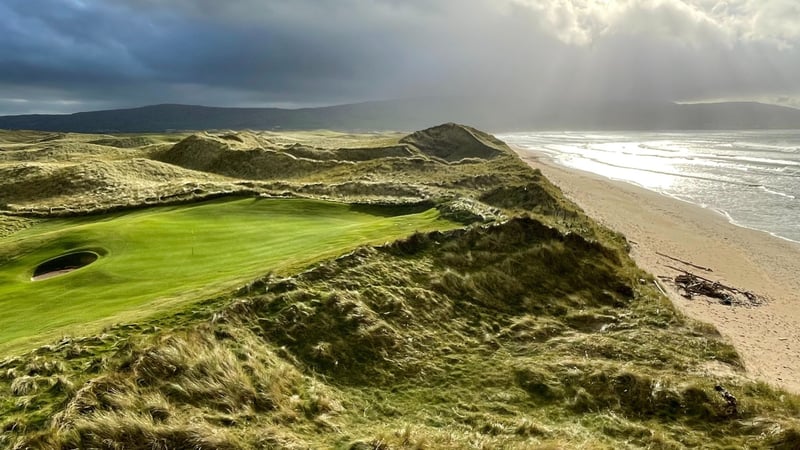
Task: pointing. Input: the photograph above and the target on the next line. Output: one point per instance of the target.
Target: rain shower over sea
(752, 177)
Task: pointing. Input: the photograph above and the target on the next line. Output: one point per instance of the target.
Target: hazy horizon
(375, 101)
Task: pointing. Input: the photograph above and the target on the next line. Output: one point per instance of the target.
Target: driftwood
(663, 292)
(707, 269)
(690, 284)
(686, 272)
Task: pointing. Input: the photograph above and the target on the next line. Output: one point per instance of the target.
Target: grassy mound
(31, 182)
(91, 181)
(451, 142)
(165, 256)
(230, 157)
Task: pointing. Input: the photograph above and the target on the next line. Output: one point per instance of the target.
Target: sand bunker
(63, 264)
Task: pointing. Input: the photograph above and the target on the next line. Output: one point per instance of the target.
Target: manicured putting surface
(155, 259)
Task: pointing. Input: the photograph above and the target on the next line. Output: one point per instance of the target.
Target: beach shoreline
(767, 337)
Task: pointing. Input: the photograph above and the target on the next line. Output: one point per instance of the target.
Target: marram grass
(530, 328)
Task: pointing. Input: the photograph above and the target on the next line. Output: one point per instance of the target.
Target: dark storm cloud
(68, 55)
(92, 50)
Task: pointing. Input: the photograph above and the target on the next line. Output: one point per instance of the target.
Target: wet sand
(768, 336)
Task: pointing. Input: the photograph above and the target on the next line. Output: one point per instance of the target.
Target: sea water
(751, 177)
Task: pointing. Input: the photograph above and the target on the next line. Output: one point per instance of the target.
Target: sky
(60, 56)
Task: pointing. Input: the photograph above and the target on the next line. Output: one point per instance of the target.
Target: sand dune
(451, 142)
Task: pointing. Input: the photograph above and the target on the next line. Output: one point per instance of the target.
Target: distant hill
(494, 114)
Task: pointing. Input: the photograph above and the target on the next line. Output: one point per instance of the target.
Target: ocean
(751, 177)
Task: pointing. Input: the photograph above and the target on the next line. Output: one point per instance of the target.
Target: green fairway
(155, 259)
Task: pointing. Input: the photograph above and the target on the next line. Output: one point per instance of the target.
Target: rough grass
(160, 257)
(453, 143)
(531, 328)
(59, 184)
(411, 346)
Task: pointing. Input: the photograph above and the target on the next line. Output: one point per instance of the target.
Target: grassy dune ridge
(527, 326)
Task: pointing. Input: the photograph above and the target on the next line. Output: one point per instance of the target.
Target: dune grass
(423, 343)
(531, 328)
(158, 258)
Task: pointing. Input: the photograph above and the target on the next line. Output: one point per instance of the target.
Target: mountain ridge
(414, 114)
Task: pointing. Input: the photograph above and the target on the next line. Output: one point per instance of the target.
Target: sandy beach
(768, 336)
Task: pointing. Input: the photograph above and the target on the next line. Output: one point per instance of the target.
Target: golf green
(151, 260)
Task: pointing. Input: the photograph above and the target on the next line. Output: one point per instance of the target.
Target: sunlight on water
(647, 176)
(752, 177)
